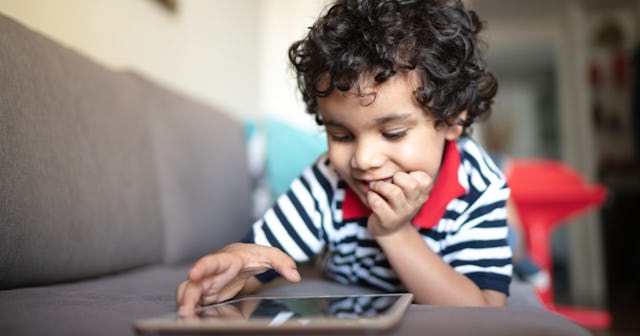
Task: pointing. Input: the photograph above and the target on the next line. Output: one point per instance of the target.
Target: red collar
(446, 188)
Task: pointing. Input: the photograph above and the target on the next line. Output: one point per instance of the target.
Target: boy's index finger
(191, 297)
(209, 265)
(282, 263)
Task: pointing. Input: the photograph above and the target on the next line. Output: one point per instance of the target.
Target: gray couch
(110, 186)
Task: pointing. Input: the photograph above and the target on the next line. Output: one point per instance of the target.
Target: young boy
(403, 200)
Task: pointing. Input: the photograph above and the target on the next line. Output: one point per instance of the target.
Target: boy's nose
(367, 156)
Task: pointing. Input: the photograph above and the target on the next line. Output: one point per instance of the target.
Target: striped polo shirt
(463, 221)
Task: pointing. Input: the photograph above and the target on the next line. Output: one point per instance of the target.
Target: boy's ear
(455, 130)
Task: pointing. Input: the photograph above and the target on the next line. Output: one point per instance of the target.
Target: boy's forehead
(391, 97)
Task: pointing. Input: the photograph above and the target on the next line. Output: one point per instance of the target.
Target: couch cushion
(77, 190)
(110, 305)
(203, 176)
(102, 306)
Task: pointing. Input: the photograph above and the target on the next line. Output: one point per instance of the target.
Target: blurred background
(567, 69)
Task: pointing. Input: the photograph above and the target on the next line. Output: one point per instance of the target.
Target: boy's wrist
(393, 235)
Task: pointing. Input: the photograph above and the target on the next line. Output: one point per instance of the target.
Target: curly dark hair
(437, 38)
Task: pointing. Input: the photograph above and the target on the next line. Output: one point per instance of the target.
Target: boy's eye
(340, 137)
(396, 135)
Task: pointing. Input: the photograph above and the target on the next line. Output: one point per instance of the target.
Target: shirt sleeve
(294, 223)
(479, 248)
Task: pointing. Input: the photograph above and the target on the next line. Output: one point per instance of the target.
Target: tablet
(298, 314)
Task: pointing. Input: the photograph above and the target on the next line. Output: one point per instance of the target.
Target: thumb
(290, 273)
(283, 264)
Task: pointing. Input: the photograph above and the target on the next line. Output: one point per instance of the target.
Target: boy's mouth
(365, 184)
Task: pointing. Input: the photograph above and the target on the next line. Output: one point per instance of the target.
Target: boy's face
(371, 140)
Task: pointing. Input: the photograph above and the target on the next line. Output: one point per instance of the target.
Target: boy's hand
(395, 204)
(220, 276)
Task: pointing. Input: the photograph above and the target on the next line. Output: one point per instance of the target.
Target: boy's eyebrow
(332, 123)
(390, 118)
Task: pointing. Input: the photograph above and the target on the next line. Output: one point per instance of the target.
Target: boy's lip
(364, 184)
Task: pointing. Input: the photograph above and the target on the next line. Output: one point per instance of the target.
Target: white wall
(230, 54)
(207, 49)
(282, 23)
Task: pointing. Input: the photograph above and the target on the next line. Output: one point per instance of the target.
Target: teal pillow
(289, 151)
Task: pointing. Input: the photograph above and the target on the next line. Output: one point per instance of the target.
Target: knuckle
(396, 193)
(373, 199)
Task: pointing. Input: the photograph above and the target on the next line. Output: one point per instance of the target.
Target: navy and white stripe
(471, 235)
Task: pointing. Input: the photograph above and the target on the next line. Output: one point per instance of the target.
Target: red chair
(546, 194)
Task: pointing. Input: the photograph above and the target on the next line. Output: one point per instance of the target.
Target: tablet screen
(376, 311)
(277, 309)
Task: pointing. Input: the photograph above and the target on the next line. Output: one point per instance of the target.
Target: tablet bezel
(172, 323)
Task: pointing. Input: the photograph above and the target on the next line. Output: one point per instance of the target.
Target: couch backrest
(102, 171)
(203, 175)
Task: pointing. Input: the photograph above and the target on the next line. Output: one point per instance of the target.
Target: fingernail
(297, 274)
